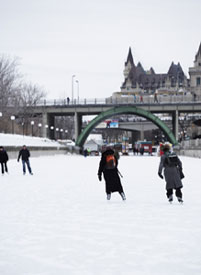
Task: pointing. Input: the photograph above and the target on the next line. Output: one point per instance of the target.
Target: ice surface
(58, 221)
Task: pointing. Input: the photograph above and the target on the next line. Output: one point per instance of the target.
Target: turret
(129, 64)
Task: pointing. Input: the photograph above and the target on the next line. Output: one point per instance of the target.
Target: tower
(129, 64)
(195, 74)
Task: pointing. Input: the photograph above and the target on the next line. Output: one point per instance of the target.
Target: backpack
(171, 160)
(110, 162)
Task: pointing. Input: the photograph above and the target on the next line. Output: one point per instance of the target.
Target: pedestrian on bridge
(108, 167)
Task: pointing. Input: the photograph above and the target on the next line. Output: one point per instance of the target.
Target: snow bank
(19, 140)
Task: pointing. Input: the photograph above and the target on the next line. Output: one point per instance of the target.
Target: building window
(199, 64)
(198, 81)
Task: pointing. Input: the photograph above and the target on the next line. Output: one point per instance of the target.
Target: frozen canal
(58, 221)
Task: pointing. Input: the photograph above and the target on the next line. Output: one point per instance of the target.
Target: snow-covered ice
(58, 221)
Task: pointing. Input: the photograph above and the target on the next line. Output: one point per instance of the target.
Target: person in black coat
(172, 167)
(3, 160)
(25, 154)
(110, 173)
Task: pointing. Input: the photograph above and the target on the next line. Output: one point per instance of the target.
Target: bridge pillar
(142, 132)
(47, 120)
(44, 122)
(175, 121)
(78, 124)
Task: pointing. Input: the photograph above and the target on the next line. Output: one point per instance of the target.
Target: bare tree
(10, 80)
(29, 96)
(16, 96)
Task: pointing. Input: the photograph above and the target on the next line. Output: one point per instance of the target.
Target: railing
(191, 143)
(147, 99)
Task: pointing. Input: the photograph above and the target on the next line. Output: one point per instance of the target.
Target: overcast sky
(56, 39)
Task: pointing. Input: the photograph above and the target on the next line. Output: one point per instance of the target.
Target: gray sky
(89, 38)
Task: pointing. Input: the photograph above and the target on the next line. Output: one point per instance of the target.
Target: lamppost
(23, 128)
(46, 127)
(73, 76)
(66, 131)
(1, 114)
(51, 132)
(78, 96)
(57, 130)
(39, 129)
(32, 125)
(61, 132)
(12, 119)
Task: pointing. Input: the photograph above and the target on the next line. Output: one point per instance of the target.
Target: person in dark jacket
(3, 160)
(25, 154)
(172, 166)
(110, 173)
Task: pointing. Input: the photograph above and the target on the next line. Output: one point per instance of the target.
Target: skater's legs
(23, 166)
(178, 192)
(169, 192)
(28, 166)
(122, 195)
(108, 196)
(6, 168)
(2, 168)
(179, 195)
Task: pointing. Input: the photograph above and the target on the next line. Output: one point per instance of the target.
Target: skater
(173, 173)
(25, 154)
(108, 166)
(3, 160)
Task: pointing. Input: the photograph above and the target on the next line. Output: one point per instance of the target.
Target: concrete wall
(190, 148)
(190, 153)
(37, 151)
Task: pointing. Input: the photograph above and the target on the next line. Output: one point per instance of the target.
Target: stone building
(195, 74)
(137, 80)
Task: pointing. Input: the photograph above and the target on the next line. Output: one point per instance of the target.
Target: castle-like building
(139, 81)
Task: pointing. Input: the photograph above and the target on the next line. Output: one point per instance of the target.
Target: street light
(73, 87)
(77, 90)
(32, 125)
(12, 119)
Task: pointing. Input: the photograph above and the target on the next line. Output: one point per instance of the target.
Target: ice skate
(170, 199)
(108, 197)
(180, 200)
(123, 196)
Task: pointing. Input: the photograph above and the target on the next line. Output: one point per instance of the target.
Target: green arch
(124, 110)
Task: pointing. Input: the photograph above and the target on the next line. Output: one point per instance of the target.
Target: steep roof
(175, 69)
(198, 53)
(130, 58)
(140, 69)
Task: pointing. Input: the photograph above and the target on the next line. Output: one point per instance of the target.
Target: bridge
(107, 110)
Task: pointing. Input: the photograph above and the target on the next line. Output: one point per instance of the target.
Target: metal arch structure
(125, 110)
